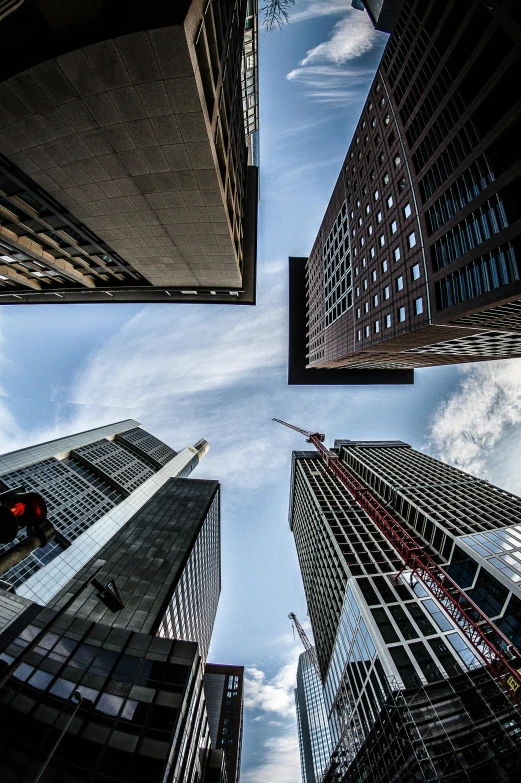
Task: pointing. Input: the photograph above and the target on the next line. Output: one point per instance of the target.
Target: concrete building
(405, 694)
(122, 691)
(315, 742)
(224, 693)
(126, 164)
(416, 262)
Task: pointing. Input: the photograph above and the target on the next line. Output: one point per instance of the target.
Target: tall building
(224, 694)
(406, 696)
(122, 691)
(124, 163)
(93, 482)
(417, 260)
(313, 730)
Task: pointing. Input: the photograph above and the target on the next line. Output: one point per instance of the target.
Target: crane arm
(310, 649)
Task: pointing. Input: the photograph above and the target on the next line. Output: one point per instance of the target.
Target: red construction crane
(492, 646)
(311, 651)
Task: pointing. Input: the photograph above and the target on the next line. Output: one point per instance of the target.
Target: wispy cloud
(469, 426)
(322, 71)
(281, 761)
(314, 10)
(351, 37)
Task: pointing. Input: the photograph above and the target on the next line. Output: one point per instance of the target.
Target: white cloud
(351, 37)
(281, 761)
(467, 428)
(320, 8)
(272, 695)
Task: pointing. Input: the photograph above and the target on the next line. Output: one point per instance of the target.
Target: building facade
(93, 482)
(405, 695)
(315, 742)
(122, 690)
(124, 164)
(417, 260)
(224, 693)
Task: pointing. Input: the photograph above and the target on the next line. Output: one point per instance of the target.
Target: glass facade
(315, 742)
(377, 636)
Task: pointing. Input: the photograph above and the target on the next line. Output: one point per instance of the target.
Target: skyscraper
(224, 694)
(124, 163)
(406, 694)
(314, 738)
(416, 262)
(122, 691)
(93, 482)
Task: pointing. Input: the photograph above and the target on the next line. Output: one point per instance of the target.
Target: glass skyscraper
(405, 694)
(131, 680)
(314, 737)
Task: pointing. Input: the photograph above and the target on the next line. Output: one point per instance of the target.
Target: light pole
(107, 593)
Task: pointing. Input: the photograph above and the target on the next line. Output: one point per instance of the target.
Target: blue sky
(219, 372)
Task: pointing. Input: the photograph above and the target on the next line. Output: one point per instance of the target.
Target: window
(366, 307)
(376, 326)
(364, 262)
(373, 122)
(370, 229)
(386, 179)
(415, 272)
(418, 306)
(385, 265)
(401, 314)
(356, 271)
(399, 283)
(373, 275)
(390, 202)
(394, 227)
(382, 240)
(372, 252)
(407, 211)
(351, 214)
(375, 300)
(387, 321)
(411, 239)
(360, 221)
(353, 232)
(367, 209)
(358, 290)
(367, 331)
(358, 312)
(387, 118)
(397, 254)
(397, 161)
(362, 241)
(359, 335)
(358, 204)
(387, 292)
(379, 217)
(376, 195)
(365, 284)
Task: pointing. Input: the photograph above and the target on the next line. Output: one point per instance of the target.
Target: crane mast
(491, 645)
(310, 649)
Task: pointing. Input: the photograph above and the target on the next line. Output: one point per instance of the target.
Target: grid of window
(75, 500)
(496, 269)
(337, 269)
(148, 444)
(488, 345)
(120, 465)
(470, 184)
(315, 741)
(190, 615)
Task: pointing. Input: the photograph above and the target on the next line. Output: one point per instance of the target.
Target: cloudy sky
(218, 372)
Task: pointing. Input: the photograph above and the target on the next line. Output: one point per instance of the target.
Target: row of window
(482, 224)
(401, 316)
(470, 184)
(486, 274)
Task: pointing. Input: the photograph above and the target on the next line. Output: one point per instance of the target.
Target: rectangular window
(365, 284)
(397, 254)
(384, 265)
(390, 202)
(372, 252)
(387, 292)
(375, 300)
(358, 312)
(399, 283)
(376, 326)
(401, 314)
(418, 306)
(387, 321)
(407, 211)
(359, 335)
(394, 227)
(416, 272)
(411, 239)
(385, 626)
(382, 240)
(376, 195)
(373, 275)
(366, 307)
(379, 217)
(367, 331)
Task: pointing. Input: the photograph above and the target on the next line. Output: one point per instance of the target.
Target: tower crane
(491, 645)
(310, 649)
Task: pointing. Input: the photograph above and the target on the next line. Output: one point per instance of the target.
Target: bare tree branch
(276, 13)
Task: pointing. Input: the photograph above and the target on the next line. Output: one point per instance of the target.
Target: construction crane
(310, 649)
(492, 646)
